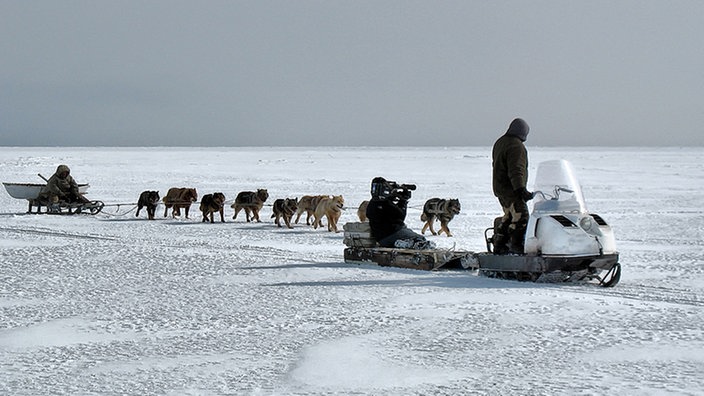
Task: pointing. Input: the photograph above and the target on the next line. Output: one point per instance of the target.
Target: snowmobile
(564, 242)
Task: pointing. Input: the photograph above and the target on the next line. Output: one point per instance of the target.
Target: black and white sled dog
(442, 209)
(211, 204)
(150, 200)
(284, 209)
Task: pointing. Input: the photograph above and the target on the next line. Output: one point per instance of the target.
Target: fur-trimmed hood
(61, 169)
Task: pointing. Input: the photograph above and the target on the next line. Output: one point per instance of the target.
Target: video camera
(386, 189)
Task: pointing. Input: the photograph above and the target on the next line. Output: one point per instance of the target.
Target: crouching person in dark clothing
(386, 213)
(61, 187)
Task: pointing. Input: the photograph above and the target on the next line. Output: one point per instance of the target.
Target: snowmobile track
(645, 293)
(56, 234)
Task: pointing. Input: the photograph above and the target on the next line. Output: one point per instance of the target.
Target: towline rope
(226, 203)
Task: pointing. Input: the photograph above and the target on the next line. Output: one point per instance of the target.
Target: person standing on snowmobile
(510, 175)
(386, 213)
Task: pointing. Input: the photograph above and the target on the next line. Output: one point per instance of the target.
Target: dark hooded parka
(510, 175)
(61, 187)
(510, 161)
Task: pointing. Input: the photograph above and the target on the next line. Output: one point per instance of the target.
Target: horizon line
(348, 146)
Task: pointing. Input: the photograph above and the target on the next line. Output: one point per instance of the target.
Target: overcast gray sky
(312, 73)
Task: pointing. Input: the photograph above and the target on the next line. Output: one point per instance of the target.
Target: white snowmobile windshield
(557, 189)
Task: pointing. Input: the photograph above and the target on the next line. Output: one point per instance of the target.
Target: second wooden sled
(362, 249)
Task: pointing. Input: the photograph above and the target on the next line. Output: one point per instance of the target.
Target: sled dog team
(316, 207)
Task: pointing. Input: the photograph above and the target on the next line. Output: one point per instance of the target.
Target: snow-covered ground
(112, 304)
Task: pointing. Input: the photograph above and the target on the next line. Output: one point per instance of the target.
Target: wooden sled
(31, 191)
(363, 249)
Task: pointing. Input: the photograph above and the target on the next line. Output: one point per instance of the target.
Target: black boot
(500, 243)
(516, 244)
(500, 237)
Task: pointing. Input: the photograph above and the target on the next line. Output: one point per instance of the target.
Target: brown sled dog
(211, 204)
(150, 200)
(362, 211)
(252, 202)
(307, 204)
(179, 198)
(330, 207)
(442, 209)
(284, 208)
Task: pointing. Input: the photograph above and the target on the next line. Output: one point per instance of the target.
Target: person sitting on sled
(386, 213)
(61, 188)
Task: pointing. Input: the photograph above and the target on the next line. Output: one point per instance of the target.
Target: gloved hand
(405, 195)
(524, 194)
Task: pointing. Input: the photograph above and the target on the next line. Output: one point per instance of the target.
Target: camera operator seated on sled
(386, 213)
(61, 188)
